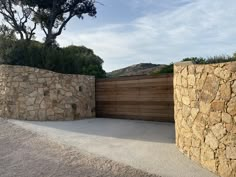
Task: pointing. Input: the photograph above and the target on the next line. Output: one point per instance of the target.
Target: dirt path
(26, 154)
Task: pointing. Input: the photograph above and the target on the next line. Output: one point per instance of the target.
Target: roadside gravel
(26, 154)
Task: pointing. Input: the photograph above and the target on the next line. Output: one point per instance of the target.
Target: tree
(54, 15)
(6, 32)
(18, 18)
(234, 55)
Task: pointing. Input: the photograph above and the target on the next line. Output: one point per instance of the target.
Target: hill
(136, 70)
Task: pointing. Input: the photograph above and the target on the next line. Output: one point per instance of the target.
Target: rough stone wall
(34, 94)
(205, 114)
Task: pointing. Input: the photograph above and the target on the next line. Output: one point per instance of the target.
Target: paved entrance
(149, 146)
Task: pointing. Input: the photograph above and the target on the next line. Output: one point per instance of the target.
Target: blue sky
(157, 31)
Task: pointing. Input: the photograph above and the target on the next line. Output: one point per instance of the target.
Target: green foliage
(195, 60)
(23, 16)
(68, 60)
(234, 55)
(165, 70)
(54, 15)
(220, 59)
(18, 17)
(212, 60)
(199, 60)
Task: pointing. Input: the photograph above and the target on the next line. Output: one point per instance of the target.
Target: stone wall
(34, 94)
(205, 114)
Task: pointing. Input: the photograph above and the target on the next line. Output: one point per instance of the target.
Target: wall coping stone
(183, 63)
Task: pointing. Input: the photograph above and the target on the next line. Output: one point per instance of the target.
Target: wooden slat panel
(161, 118)
(139, 97)
(135, 78)
(143, 107)
(144, 103)
(160, 99)
(133, 88)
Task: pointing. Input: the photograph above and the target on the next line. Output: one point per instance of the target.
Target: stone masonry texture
(205, 115)
(34, 94)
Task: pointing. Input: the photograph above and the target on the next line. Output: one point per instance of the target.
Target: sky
(127, 32)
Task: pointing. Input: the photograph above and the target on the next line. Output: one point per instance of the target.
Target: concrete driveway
(149, 146)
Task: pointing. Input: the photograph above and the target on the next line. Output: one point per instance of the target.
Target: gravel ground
(26, 154)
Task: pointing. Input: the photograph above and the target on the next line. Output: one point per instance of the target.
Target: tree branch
(32, 31)
(63, 25)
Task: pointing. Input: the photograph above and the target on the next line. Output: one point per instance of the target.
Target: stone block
(178, 94)
(210, 89)
(50, 112)
(184, 82)
(217, 106)
(224, 169)
(43, 105)
(211, 141)
(205, 107)
(200, 69)
(225, 91)
(231, 152)
(207, 153)
(232, 106)
(196, 152)
(194, 112)
(186, 111)
(191, 80)
(234, 87)
(192, 94)
(223, 74)
(215, 117)
(30, 101)
(226, 118)
(198, 128)
(186, 100)
(218, 130)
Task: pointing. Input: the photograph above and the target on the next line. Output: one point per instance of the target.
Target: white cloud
(199, 28)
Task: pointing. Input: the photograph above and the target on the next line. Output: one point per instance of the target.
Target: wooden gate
(136, 97)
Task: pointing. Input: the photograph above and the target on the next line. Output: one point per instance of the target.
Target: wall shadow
(116, 128)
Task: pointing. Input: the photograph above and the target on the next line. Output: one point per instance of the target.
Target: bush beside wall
(67, 60)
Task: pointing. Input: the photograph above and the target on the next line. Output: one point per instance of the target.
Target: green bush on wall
(198, 60)
(68, 60)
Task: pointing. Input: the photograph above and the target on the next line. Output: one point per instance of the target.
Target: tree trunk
(50, 39)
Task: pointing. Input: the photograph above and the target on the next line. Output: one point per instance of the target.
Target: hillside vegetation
(135, 70)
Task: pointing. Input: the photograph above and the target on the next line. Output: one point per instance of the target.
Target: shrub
(165, 70)
(212, 60)
(199, 60)
(68, 60)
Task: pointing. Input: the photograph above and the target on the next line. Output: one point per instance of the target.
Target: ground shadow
(117, 128)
